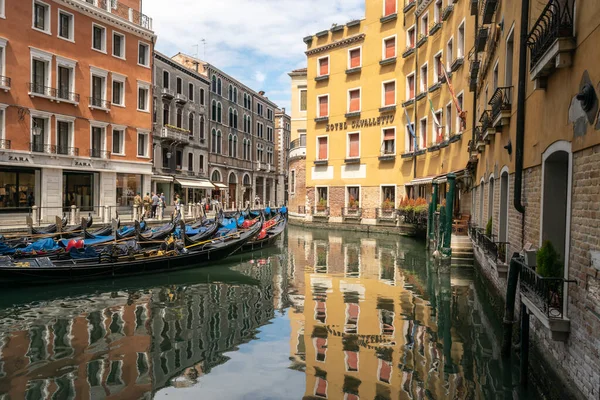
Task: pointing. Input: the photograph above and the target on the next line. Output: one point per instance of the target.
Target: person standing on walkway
(177, 205)
(147, 202)
(155, 201)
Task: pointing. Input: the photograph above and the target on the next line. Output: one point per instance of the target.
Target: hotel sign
(361, 123)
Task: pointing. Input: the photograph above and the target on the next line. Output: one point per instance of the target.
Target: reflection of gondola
(270, 236)
(45, 271)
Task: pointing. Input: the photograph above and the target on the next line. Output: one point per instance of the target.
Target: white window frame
(448, 115)
(147, 64)
(146, 86)
(48, 30)
(300, 90)
(3, 43)
(411, 28)
(395, 37)
(414, 76)
(433, 127)
(383, 139)
(318, 107)
(122, 129)
(122, 79)
(123, 45)
(408, 137)
(323, 159)
(71, 37)
(2, 5)
(328, 65)
(71, 121)
(496, 71)
(422, 143)
(146, 151)
(425, 27)
(72, 65)
(383, 9)
(449, 61)
(103, 50)
(193, 92)
(46, 116)
(437, 13)
(260, 132)
(383, 93)
(40, 55)
(347, 198)
(103, 126)
(384, 185)
(348, 145)
(436, 74)
(349, 51)
(458, 95)
(460, 52)
(422, 88)
(103, 74)
(3, 108)
(348, 99)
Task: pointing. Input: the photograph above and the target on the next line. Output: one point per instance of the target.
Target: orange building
(75, 104)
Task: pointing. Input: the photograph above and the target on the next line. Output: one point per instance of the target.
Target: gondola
(45, 271)
(208, 233)
(155, 234)
(271, 236)
(52, 228)
(129, 231)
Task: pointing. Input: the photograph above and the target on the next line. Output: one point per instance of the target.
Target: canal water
(322, 315)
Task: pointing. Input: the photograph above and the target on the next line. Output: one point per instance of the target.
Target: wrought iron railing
(547, 294)
(447, 11)
(5, 81)
(4, 144)
(494, 249)
(320, 211)
(501, 100)
(555, 21)
(96, 153)
(486, 120)
(413, 218)
(351, 212)
(117, 8)
(67, 151)
(42, 148)
(98, 102)
(37, 88)
(66, 95)
(296, 143)
(386, 213)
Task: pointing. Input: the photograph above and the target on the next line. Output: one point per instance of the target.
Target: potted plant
(352, 204)
(387, 204)
(322, 205)
(549, 266)
(488, 229)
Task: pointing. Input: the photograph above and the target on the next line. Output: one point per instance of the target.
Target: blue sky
(256, 41)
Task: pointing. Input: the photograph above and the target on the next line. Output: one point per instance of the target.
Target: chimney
(262, 93)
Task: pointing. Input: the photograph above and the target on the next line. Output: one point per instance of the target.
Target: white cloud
(251, 40)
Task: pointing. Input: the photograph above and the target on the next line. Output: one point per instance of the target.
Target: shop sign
(80, 163)
(361, 123)
(18, 159)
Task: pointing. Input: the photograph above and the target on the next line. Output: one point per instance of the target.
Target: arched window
(230, 146)
(201, 96)
(490, 213)
(245, 101)
(216, 176)
(235, 119)
(219, 143)
(179, 117)
(230, 93)
(191, 123)
(214, 84)
(219, 86)
(190, 161)
(166, 116)
(213, 138)
(235, 95)
(201, 163)
(213, 115)
(232, 178)
(201, 127)
(219, 112)
(166, 79)
(230, 117)
(246, 180)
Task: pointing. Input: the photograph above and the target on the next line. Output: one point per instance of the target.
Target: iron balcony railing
(386, 213)
(296, 143)
(98, 102)
(67, 151)
(447, 11)
(5, 81)
(351, 212)
(555, 21)
(42, 148)
(66, 95)
(501, 101)
(115, 7)
(486, 120)
(37, 88)
(96, 153)
(547, 294)
(495, 250)
(489, 8)
(320, 211)
(4, 144)
(413, 218)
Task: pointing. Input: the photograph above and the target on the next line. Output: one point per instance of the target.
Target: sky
(256, 41)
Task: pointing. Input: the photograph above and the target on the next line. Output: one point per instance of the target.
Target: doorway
(232, 188)
(503, 218)
(78, 190)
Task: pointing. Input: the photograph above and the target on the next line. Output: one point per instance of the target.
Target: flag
(411, 130)
(435, 120)
(462, 114)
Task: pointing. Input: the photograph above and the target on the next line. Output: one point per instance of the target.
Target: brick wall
(298, 197)
(532, 197)
(515, 219)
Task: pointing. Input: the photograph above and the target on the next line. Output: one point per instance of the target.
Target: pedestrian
(257, 201)
(155, 201)
(163, 199)
(147, 202)
(177, 205)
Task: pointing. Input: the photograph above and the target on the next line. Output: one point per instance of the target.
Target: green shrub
(488, 228)
(548, 261)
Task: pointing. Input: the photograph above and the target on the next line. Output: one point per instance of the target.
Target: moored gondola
(269, 234)
(206, 233)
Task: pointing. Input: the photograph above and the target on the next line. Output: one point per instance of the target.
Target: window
(230, 119)
(508, 66)
(191, 91)
(235, 95)
(389, 7)
(410, 139)
(230, 93)
(323, 102)
(219, 92)
(118, 45)
(40, 73)
(437, 67)
(410, 37)
(269, 114)
(179, 85)
(323, 66)
(259, 129)
(201, 163)
(270, 155)
(143, 145)
(423, 77)
(259, 109)
(460, 51)
(202, 96)
(437, 14)
(143, 97)
(179, 117)
(423, 133)
(410, 86)
(354, 58)
(354, 100)
(2, 15)
(118, 141)
(98, 98)
(216, 176)
(202, 127)
(459, 121)
(449, 52)
(191, 120)
(99, 38)
(190, 161)
(437, 129)
(41, 16)
(322, 148)
(448, 119)
(353, 146)
(166, 79)
(388, 194)
(65, 79)
(118, 90)
(65, 25)
(63, 137)
(389, 93)
(143, 54)
(259, 153)
(39, 133)
(178, 159)
(219, 112)
(270, 134)
(303, 93)
(425, 24)
(389, 141)
(495, 76)
(166, 114)
(293, 181)
(98, 142)
(389, 47)
(322, 194)
(214, 84)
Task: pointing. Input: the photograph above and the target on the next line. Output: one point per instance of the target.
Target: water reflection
(365, 317)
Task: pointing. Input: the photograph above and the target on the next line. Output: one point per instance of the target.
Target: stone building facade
(282, 136)
(297, 149)
(180, 124)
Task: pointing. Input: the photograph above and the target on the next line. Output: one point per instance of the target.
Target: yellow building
(366, 80)
(297, 154)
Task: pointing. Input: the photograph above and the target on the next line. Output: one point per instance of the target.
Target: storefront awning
(444, 178)
(220, 186)
(422, 181)
(194, 184)
(162, 178)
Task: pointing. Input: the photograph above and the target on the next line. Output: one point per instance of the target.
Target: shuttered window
(389, 138)
(354, 100)
(390, 48)
(353, 145)
(322, 148)
(324, 66)
(355, 58)
(410, 82)
(390, 7)
(323, 106)
(389, 94)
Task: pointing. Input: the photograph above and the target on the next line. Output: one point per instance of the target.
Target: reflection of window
(320, 311)
(352, 314)
(386, 316)
(115, 374)
(388, 265)
(352, 261)
(321, 253)
(94, 373)
(37, 343)
(320, 345)
(351, 358)
(321, 387)
(384, 371)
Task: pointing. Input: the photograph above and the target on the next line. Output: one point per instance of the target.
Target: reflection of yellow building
(365, 80)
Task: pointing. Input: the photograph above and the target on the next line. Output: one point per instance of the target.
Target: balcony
(474, 7)
(481, 39)
(261, 166)
(489, 8)
(457, 63)
(65, 95)
(181, 98)
(4, 144)
(175, 134)
(545, 299)
(388, 61)
(39, 90)
(487, 128)
(4, 83)
(423, 4)
(447, 11)
(320, 212)
(501, 106)
(122, 11)
(351, 213)
(479, 140)
(422, 40)
(96, 103)
(96, 153)
(388, 214)
(167, 93)
(67, 151)
(434, 87)
(409, 51)
(551, 40)
(42, 148)
(408, 5)
(433, 28)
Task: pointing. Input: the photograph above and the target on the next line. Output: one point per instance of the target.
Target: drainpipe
(476, 55)
(509, 310)
(522, 85)
(415, 97)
